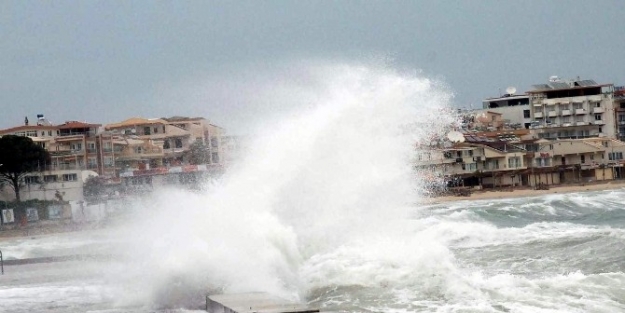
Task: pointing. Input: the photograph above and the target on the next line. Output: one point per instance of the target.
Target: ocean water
(325, 207)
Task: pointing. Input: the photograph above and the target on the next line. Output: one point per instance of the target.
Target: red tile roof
(76, 124)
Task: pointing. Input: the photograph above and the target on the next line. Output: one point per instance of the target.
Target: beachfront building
(517, 158)
(165, 142)
(72, 145)
(63, 185)
(573, 109)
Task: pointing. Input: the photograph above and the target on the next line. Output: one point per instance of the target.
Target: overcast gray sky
(105, 61)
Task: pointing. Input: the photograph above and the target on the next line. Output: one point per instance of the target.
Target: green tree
(18, 156)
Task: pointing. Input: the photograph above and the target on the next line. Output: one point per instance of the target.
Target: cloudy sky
(104, 61)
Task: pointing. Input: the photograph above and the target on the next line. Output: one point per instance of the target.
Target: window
(92, 163)
(491, 165)
(526, 113)
(31, 180)
(49, 133)
(166, 144)
(583, 158)
(147, 131)
(600, 130)
(70, 177)
(565, 119)
(514, 162)
(178, 143)
(597, 104)
(215, 157)
(597, 117)
(615, 156)
(214, 142)
(50, 178)
(108, 161)
(32, 133)
(76, 146)
(156, 130)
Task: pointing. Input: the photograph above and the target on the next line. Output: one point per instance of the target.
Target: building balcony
(580, 123)
(552, 114)
(538, 115)
(565, 112)
(145, 153)
(598, 110)
(91, 150)
(567, 124)
(599, 122)
(580, 111)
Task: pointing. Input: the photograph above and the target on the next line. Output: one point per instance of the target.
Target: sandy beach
(526, 192)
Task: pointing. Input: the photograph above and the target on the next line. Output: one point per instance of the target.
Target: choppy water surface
(321, 209)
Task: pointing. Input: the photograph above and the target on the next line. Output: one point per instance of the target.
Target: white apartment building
(573, 109)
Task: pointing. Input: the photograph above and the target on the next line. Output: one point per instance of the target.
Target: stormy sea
(324, 207)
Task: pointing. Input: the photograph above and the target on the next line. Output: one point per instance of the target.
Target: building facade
(573, 109)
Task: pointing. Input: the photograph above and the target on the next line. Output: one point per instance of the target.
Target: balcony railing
(565, 112)
(598, 110)
(552, 114)
(538, 114)
(580, 111)
(599, 122)
(580, 123)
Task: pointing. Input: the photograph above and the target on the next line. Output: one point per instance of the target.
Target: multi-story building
(573, 109)
(153, 143)
(72, 145)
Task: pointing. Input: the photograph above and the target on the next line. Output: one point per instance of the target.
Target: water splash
(332, 179)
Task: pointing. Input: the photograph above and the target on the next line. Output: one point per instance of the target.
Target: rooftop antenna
(511, 90)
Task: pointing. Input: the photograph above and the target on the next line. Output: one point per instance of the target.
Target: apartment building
(163, 142)
(573, 109)
(72, 145)
(519, 158)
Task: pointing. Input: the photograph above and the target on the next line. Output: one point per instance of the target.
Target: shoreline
(526, 192)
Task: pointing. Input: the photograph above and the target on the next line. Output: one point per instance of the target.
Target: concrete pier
(255, 302)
